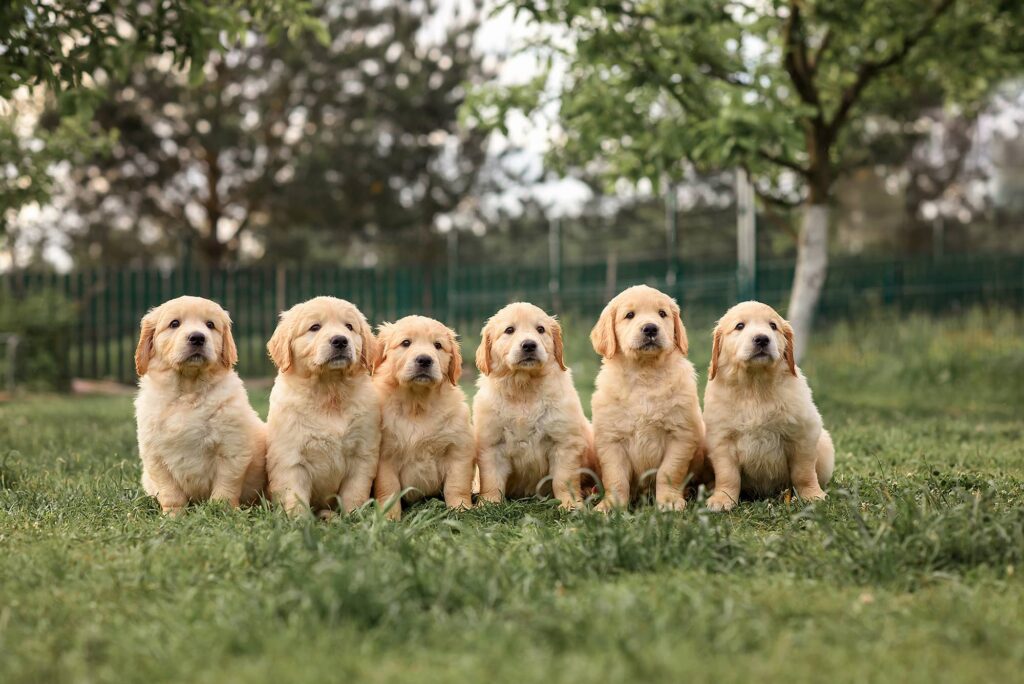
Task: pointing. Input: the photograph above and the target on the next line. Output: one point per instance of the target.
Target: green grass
(910, 571)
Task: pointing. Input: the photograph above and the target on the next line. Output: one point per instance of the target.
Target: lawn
(911, 570)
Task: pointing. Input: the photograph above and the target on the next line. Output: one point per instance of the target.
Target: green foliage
(775, 87)
(42, 322)
(65, 48)
(917, 551)
(64, 45)
(304, 147)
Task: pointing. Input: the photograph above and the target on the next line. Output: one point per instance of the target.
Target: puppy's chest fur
(179, 432)
(525, 436)
(419, 444)
(326, 440)
(765, 434)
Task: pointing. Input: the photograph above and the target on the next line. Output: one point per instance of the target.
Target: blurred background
(851, 163)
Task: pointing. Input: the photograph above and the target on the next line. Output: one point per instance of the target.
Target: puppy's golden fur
(531, 434)
(198, 436)
(647, 422)
(764, 432)
(426, 440)
(324, 421)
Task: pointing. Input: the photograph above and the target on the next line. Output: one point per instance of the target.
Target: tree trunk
(811, 269)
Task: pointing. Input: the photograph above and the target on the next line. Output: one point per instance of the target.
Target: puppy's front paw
(720, 501)
(812, 494)
(568, 505)
(607, 506)
(672, 504)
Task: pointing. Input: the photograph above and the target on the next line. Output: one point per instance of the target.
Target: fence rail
(109, 303)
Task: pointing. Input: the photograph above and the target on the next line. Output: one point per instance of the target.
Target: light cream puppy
(647, 423)
(324, 421)
(426, 439)
(764, 433)
(198, 436)
(531, 434)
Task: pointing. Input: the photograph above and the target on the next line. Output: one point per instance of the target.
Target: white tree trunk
(811, 269)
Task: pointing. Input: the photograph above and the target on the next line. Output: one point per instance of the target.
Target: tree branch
(872, 68)
(783, 161)
(795, 57)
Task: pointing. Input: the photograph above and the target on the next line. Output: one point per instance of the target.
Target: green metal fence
(109, 303)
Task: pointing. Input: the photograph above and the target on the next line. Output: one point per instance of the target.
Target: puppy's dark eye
(406, 343)
(662, 313)
(741, 326)
(175, 323)
(314, 327)
(540, 329)
(349, 326)
(630, 315)
(509, 330)
(437, 345)
(774, 327)
(210, 325)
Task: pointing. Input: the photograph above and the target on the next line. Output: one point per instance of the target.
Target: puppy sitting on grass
(426, 441)
(531, 433)
(198, 436)
(764, 433)
(647, 423)
(324, 421)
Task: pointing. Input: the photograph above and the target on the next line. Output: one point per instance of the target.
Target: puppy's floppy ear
(228, 350)
(603, 335)
(280, 345)
(371, 348)
(384, 332)
(789, 355)
(455, 363)
(680, 331)
(483, 352)
(716, 349)
(144, 350)
(556, 338)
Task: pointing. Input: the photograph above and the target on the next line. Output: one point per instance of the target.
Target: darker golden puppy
(764, 432)
(198, 436)
(531, 433)
(426, 441)
(324, 421)
(647, 422)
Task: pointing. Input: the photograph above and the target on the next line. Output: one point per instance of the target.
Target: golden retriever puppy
(531, 434)
(324, 420)
(426, 442)
(764, 433)
(198, 436)
(647, 421)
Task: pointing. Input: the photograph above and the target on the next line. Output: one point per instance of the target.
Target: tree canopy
(794, 91)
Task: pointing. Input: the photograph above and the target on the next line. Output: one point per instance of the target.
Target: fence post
(746, 236)
(671, 228)
(280, 283)
(453, 268)
(555, 263)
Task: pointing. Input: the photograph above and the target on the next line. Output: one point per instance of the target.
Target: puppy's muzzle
(650, 339)
(528, 355)
(195, 350)
(341, 351)
(760, 348)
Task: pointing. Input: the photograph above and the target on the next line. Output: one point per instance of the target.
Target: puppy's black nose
(650, 329)
(761, 341)
(424, 361)
(339, 341)
(197, 339)
(529, 346)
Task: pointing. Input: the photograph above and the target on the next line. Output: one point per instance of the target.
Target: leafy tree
(65, 46)
(791, 90)
(303, 148)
